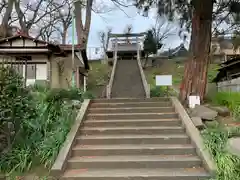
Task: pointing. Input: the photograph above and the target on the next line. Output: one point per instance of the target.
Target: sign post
(164, 80)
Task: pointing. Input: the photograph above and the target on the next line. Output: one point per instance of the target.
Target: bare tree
(83, 27)
(156, 35)
(163, 29)
(3, 5)
(4, 28)
(128, 29)
(104, 39)
(30, 13)
(64, 21)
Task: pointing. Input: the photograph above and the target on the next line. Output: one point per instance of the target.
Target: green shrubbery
(161, 91)
(215, 138)
(34, 122)
(229, 99)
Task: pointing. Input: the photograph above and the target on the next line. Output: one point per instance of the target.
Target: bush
(40, 122)
(215, 140)
(229, 99)
(56, 95)
(161, 91)
(16, 106)
(39, 87)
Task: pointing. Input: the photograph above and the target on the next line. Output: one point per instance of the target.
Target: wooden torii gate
(122, 44)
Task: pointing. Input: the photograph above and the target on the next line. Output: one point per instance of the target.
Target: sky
(118, 20)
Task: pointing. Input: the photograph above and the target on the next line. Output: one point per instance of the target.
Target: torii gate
(125, 44)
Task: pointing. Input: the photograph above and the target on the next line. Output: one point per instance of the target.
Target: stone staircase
(133, 139)
(127, 80)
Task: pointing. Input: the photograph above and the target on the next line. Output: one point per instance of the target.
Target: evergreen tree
(151, 45)
(197, 15)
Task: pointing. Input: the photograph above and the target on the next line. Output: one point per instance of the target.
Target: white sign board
(163, 80)
(193, 101)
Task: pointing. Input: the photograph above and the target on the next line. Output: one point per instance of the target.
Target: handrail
(109, 86)
(143, 77)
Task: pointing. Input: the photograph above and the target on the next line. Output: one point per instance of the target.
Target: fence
(231, 85)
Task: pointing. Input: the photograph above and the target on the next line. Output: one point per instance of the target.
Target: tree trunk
(196, 68)
(23, 25)
(64, 35)
(7, 15)
(83, 30)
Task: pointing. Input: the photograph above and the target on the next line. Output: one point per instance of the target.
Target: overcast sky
(118, 20)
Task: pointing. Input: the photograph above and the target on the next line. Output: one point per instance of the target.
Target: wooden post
(115, 49)
(138, 53)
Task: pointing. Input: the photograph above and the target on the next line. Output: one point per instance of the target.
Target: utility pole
(73, 43)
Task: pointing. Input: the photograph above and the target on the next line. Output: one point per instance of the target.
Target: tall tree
(104, 40)
(128, 30)
(65, 20)
(197, 15)
(83, 26)
(54, 26)
(157, 34)
(150, 45)
(30, 13)
(162, 29)
(4, 27)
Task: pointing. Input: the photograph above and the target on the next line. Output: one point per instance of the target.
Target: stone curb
(195, 137)
(65, 151)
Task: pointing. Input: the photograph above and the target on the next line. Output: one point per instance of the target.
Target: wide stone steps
(131, 110)
(133, 150)
(132, 100)
(132, 122)
(125, 162)
(133, 139)
(109, 116)
(131, 130)
(136, 174)
(130, 104)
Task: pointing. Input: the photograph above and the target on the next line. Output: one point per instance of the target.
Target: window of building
(31, 71)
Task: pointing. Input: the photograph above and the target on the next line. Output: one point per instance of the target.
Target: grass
(215, 138)
(98, 77)
(230, 100)
(176, 69)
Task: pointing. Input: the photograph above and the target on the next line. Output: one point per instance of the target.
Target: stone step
(132, 122)
(133, 150)
(131, 104)
(126, 100)
(108, 116)
(133, 139)
(156, 130)
(131, 110)
(136, 174)
(125, 162)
